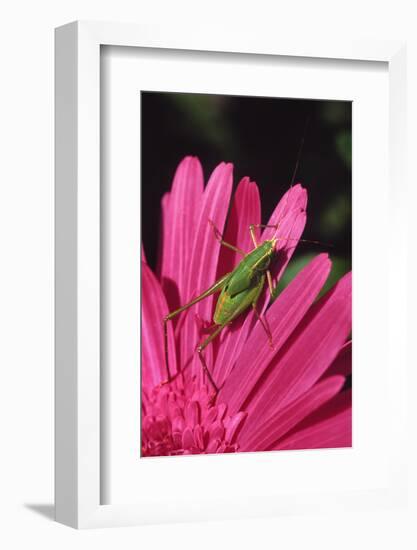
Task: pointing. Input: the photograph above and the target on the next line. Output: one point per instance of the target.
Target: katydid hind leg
(200, 349)
(218, 286)
(264, 325)
(260, 317)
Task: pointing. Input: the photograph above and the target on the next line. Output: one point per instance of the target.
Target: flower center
(178, 421)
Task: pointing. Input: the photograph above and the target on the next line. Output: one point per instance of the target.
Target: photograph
(246, 281)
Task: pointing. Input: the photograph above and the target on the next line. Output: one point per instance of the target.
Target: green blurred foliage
(336, 216)
(336, 113)
(340, 266)
(204, 114)
(344, 147)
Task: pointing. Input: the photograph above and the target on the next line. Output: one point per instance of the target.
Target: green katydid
(239, 290)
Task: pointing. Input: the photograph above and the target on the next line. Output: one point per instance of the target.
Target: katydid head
(273, 242)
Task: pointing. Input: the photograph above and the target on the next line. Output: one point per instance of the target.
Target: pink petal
(266, 435)
(282, 317)
(232, 342)
(180, 212)
(202, 265)
(290, 216)
(294, 200)
(154, 308)
(233, 425)
(331, 433)
(188, 438)
(245, 210)
(343, 362)
(289, 232)
(308, 353)
(143, 254)
(191, 413)
(217, 431)
(330, 426)
(164, 236)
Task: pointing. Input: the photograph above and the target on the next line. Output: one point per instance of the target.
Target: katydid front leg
(200, 348)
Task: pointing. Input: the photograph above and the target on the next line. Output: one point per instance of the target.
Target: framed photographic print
(225, 335)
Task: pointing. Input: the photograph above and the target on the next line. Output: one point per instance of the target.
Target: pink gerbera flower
(290, 396)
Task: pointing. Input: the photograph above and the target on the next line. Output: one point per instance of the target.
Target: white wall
(26, 273)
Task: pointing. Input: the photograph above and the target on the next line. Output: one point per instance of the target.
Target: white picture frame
(78, 404)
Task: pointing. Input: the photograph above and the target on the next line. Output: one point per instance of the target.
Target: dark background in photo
(262, 137)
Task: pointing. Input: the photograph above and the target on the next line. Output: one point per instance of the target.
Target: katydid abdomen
(231, 306)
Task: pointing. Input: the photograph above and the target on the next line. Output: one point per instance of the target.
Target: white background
(26, 274)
